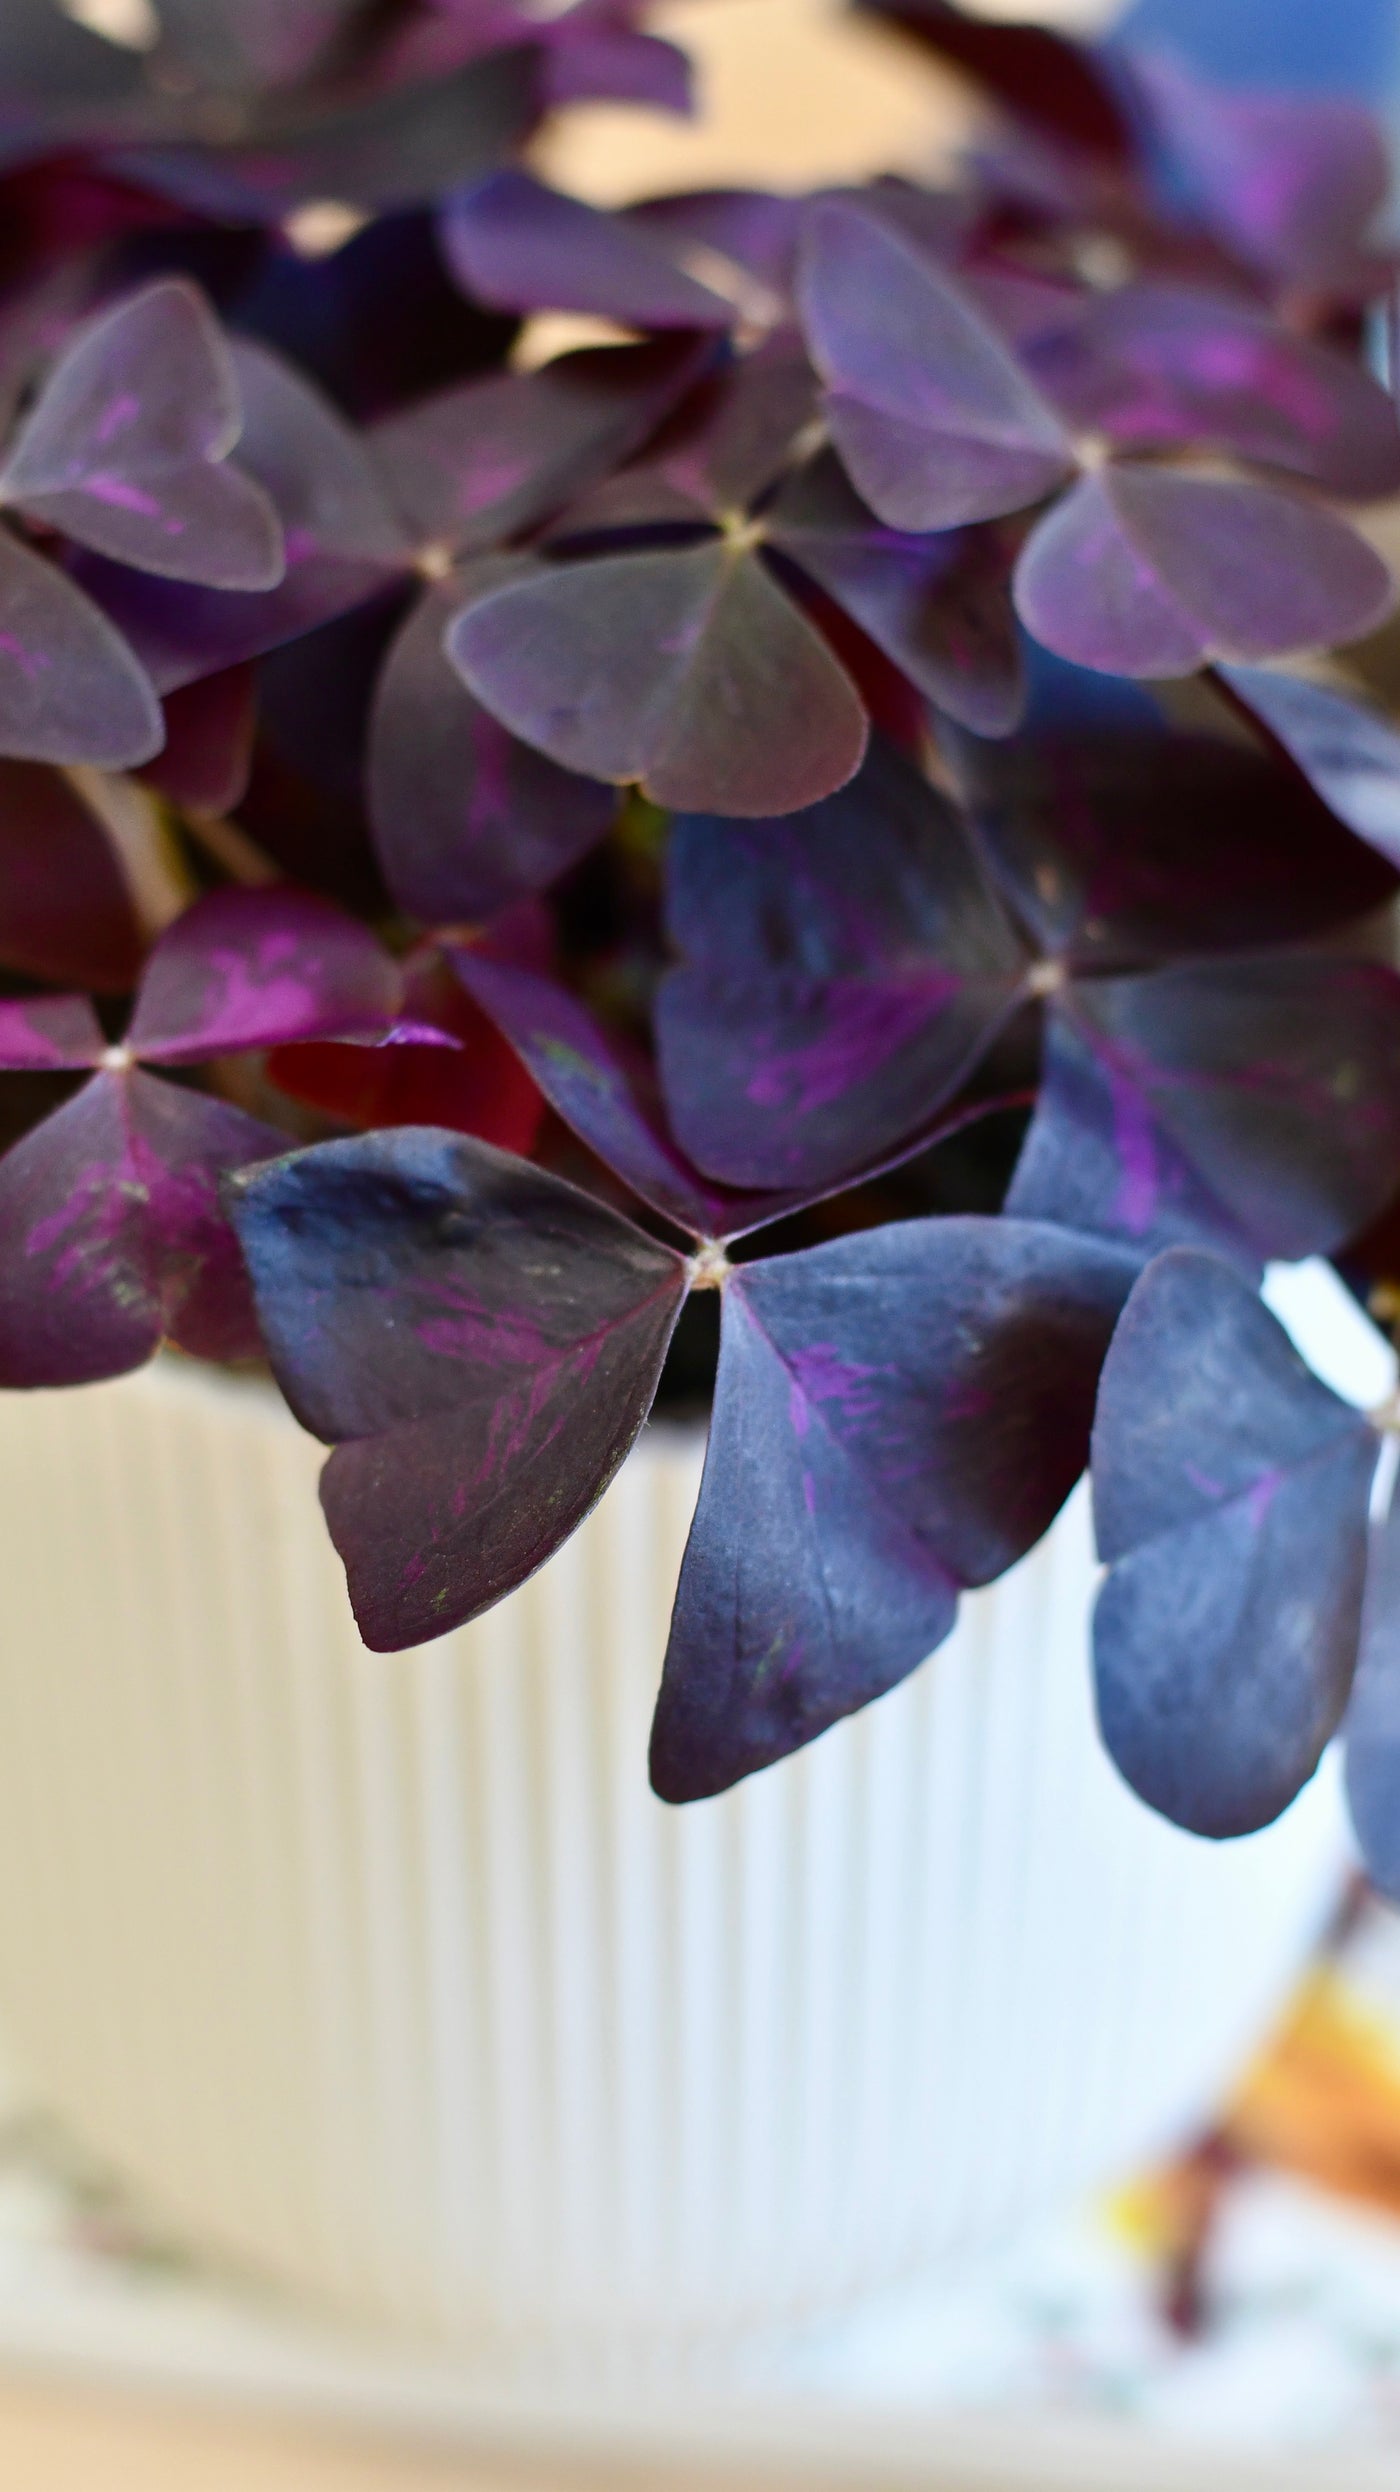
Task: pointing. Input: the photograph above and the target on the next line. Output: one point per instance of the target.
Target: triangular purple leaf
(260, 968)
(939, 606)
(1127, 824)
(66, 910)
(899, 1414)
(686, 669)
(466, 818)
(124, 447)
(516, 244)
(1154, 365)
(1230, 1497)
(1252, 1103)
(1347, 753)
(842, 970)
(343, 541)
(112, 1234)
(479, 463)
(49, 1034)
(932, 415)
(1147, 571)
(70, 688)
(606, 1091)
(1373, 1717)
(480, 1340)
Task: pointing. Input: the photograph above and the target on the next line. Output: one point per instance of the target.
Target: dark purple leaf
(385, 149)
(1145, 571)
(343, 542)
(1230, 1496)
(939, 605)
(617, 63)
(123, 449)
(1129, 824)
(70, 688)
(743, 239)
(606, 1091)
(477, 464)
(49, 1034)
(899, 1414)
(934, 418)
(1294, 182)
(1060, 89)
(1349, 754)
(519, 246)
(111, 1236)
(481, 1341)
(1373, 1716)
(685, 669)
(1157, 365)
(66, 911)
(736, 435)
(1252, 1104)
(466, 818)
(258, 968)
(208, 750)
(842, 970)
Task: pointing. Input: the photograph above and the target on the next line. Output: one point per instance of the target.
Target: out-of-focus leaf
(1129, 825)
(1347, 753)
(1373, 1716)
(70, 688)
(520, 246)
(1252, 1104)
(66, 911)
(1149, 572)
(256, 968)
(482, 1343)
(1295, 183)
(935, 420)
(607, 1092)
(841, 971)
(686, 670)
(899, 1414)
(208, 750)
(939, 605)
(1156, 365)
(343, 542)
(381, 150)
(49, 1034)
(111, 1235)
(125, 448)
(480, 463)
(466, 818)
(1230, 1496)
(1057, 87)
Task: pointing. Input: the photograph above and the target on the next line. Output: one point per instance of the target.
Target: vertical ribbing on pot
(389, 1977)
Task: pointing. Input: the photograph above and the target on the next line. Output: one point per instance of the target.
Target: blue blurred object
(1326, 47)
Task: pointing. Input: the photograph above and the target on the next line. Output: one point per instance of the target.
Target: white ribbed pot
(390, 1977)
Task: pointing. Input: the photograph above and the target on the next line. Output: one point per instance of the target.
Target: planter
(390, 1978)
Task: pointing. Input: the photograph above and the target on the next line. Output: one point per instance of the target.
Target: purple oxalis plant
(867, 805)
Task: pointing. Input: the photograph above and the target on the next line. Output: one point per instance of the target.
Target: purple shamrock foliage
(898, 1416)
(829, 767)
(1231, 1493)
(841, 973)
(113, 1238)
(1140, 570)
(475, 1337)
(125, 450)
(662, 637)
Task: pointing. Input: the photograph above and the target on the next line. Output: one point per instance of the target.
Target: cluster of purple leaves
(817, 771)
